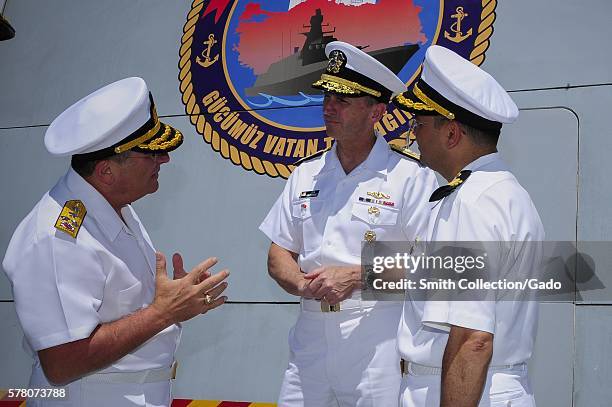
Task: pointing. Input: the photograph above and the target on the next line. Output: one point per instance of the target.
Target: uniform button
(328, 243)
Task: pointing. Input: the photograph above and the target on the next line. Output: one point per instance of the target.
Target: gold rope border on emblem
(196, 117)
(485, 30)
(249, 163)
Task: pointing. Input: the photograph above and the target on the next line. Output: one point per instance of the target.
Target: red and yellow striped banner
(5, 401)
(218, 403)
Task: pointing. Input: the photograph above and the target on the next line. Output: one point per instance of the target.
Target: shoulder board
(406, 152)
(311, 156)
(71, 218)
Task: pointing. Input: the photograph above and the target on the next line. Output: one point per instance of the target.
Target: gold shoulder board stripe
(406, 152)
(71, 218)
(311, 156)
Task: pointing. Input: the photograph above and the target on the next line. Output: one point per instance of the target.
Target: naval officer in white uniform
(343, 348)
(468, 353)
(92, 296)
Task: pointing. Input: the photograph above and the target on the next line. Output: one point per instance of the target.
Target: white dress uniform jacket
(490, 206)
(64, 287)
(347, 357)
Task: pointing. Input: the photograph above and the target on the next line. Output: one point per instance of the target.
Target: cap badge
(337, 60)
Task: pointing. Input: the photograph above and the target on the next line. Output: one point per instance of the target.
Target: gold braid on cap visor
(147, 136)
(344, 86)
(419, 93)
(162, 143)
(411, 104)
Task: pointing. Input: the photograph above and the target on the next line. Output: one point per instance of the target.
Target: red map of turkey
(268, 37)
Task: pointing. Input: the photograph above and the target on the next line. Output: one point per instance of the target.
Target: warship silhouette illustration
(295, 73)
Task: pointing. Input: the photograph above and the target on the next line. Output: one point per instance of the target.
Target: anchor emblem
(456, 27)
(205, 60)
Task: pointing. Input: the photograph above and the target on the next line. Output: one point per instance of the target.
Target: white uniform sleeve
(279, 225)
(478, 315)
(58, 288)
(416, 207)
(480, 221)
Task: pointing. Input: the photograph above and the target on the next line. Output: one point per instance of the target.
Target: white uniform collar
(97, 206)
(482, 161)
(378, 158)
(330, 161)
(376, 161)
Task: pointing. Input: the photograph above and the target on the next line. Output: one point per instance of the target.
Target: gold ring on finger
(208, 299)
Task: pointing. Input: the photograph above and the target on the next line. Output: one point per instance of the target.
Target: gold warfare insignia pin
(71, 218)
(379, 195)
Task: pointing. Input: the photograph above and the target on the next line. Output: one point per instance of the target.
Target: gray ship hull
(289, 77)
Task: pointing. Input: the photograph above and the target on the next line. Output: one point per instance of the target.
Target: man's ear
(105, 171)
(454, 134)
(378, 112)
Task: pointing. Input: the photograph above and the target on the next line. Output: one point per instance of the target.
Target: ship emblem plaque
(246, 66)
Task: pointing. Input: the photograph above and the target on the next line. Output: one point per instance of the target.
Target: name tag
(309, 194)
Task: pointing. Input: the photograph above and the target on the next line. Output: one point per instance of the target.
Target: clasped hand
(332, 284)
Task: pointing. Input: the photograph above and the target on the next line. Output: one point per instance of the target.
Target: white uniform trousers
(346, 358)
(503, 388)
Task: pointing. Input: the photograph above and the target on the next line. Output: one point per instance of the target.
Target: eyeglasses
(413, 125)
(155, 156)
